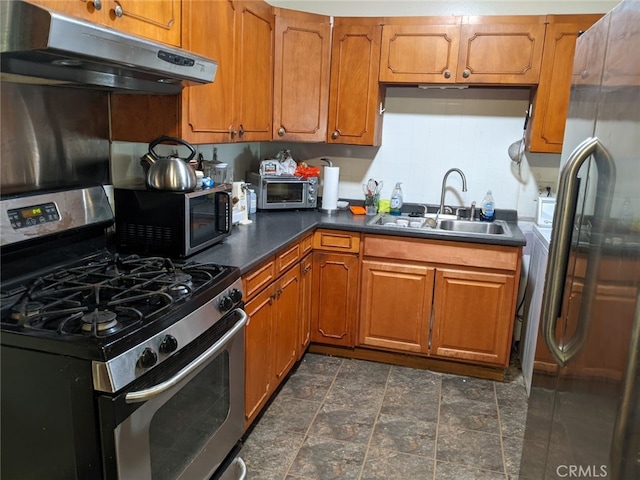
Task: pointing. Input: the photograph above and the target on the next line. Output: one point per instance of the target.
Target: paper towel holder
(331, 208)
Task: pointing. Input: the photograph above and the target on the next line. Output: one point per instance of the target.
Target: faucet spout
(444, 187)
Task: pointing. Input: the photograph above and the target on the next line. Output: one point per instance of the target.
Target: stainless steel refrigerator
(583, 419)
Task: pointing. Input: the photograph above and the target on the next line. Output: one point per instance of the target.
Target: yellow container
(384, 206)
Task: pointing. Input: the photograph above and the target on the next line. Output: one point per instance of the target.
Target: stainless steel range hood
(45, 47)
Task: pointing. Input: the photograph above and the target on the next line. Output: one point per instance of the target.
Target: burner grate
(105, 296)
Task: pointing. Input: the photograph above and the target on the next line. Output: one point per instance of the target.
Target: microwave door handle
(560, 246)
(149, 393)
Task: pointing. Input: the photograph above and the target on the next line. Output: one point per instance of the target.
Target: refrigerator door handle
(560, 245)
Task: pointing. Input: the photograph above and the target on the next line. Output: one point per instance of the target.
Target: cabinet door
(155, 19)
(355, 96)
(473, 316)
(551, 99)
(335, 301)
(258, 353)
(254, 71)
(286, 322)
(207, 110)
(501, 50)
(306, 291)
(420, 53)
(395, 305)
(301, 76)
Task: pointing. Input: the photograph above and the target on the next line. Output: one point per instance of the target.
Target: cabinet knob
(118, 11)
(241, 132)
(281, 131)
(466, 73)
(234, 132)
(335, 134)
(447, 74)
(97, 4)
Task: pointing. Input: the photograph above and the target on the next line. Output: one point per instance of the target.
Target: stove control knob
(225, 304)
(235, 295)
(147, 358)
(168, 345)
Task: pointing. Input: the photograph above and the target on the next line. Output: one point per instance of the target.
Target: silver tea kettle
(169, 173)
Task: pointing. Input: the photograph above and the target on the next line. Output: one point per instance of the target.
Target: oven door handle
(148, 393)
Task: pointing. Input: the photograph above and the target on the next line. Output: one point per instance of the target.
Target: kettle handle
(165, 138)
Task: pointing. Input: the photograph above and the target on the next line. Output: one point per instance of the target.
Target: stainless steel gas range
(113, 366)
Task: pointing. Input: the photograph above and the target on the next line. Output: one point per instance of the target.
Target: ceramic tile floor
(349, 419)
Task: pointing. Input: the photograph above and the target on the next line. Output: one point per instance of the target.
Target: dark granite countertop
(249, 245)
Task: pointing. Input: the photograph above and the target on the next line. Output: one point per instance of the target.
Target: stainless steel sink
(466, 226)
(445, 226)
(398, 221)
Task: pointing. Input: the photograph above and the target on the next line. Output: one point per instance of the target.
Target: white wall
(426, 132)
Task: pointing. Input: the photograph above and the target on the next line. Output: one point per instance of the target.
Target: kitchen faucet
(444, 186)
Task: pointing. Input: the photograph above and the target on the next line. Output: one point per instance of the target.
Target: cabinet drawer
(258, 278)
(336, 241)
(287, 257)
(451, 253)
(306, 245)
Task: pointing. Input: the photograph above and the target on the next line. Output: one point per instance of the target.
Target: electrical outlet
(546, 189)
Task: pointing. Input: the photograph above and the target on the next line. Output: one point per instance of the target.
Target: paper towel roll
(330, 189)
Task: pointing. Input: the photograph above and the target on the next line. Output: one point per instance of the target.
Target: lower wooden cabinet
(306, 294)
(395, 305)
(258, 353)
(272, 336)
(442, 299)
(473, 315)
(287, 317)
(334, 306)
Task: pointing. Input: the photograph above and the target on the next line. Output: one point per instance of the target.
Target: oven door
(184, 421)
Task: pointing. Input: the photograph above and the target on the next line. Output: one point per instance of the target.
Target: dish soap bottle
(488, 213)
(396, 200)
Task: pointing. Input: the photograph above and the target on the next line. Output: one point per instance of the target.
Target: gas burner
(180, 289)
(25, 310)
(101, 321)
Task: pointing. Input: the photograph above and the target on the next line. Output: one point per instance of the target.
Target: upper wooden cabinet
(301, 76)
(469, 50)
(155, 19)
(254, 71)
(355, 96)
(550, 103)
(237, 106)
(207, 111)
(420, 50)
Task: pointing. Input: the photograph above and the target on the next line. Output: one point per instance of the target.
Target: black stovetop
(106, 302)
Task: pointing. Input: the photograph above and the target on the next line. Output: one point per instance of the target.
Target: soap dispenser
(396, 200)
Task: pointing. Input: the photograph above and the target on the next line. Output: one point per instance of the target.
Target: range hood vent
(44, 47)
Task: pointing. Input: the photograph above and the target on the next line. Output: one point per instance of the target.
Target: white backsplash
(425, 132)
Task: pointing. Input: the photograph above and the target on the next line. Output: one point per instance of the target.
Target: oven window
(202, 211)
(285, 192)
(184, 425)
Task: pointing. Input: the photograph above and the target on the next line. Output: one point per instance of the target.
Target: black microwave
(171, 224)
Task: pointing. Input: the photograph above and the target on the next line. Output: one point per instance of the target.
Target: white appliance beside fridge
(583, 419)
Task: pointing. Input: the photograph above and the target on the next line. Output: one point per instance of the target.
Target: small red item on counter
(305, 171)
